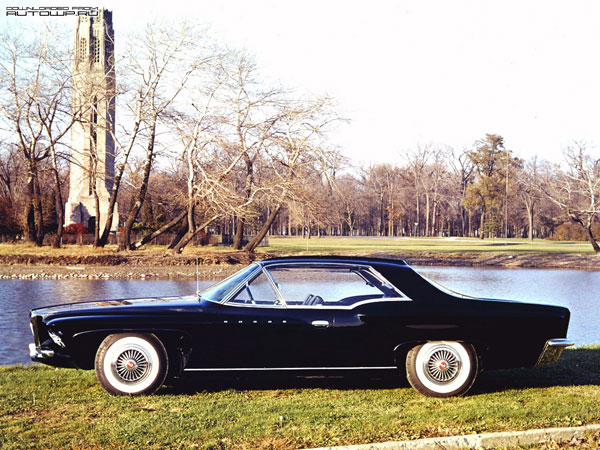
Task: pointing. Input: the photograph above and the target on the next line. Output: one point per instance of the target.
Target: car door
(314, 295)
(255, 329)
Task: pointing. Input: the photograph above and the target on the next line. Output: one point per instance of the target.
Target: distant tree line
(206, 143)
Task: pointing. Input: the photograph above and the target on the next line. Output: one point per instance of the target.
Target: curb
(481, 441)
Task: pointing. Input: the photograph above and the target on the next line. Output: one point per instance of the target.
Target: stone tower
(93, 103)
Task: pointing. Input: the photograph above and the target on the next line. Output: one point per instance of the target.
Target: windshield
(217, 292)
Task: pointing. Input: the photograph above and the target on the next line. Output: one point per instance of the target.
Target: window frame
(324, 265)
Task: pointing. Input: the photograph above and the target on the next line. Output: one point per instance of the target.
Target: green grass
(328, 245)
(436, 245)
(42, 407)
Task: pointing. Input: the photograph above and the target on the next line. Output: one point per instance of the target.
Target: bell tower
(92, 162)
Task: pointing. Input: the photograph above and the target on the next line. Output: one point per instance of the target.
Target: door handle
(320, 323)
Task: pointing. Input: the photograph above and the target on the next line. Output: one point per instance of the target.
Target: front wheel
(442, 369)
(131, 364)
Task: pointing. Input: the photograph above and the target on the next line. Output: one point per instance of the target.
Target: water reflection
(17, 297)
(576, 289)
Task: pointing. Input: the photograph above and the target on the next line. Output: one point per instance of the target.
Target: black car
(302, 313)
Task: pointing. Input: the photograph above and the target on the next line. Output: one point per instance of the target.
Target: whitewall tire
(131, 364)
(442, 368)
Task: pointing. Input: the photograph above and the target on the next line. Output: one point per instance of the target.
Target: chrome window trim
(236, 290)
(274, 287)
(251, 277)
(265, 269)
(383, 280)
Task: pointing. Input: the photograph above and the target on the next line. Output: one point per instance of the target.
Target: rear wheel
(442, 368)
(131, 364)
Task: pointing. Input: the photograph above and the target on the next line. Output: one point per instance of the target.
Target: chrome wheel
(442, 368)
(131, 364)
(442, 364)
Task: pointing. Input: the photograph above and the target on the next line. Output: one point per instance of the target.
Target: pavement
(483, 440)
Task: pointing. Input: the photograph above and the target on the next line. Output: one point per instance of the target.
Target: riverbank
(214, 264)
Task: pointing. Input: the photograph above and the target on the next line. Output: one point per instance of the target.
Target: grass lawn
(435, 245)
(330, 245)
(43, 407)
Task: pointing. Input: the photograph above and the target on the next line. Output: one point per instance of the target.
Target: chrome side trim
(324, 306)
(552, 351)
(39, 353)
(252, 369)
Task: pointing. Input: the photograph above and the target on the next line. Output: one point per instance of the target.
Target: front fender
(83, 345)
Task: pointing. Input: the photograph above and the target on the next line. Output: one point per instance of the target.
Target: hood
(105, 305)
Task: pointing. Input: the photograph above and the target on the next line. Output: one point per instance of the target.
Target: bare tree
(252, 113)
(528, 180)
(575, 188)
(417, 160)
(463, 168)
(160, 65)
(35, 80)
(297, 143)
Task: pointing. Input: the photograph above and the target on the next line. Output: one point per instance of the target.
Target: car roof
(332, 259)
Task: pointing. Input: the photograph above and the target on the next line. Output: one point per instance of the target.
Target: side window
(325, 286)
(257, 292)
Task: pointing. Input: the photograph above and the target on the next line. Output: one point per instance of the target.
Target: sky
(411, 72)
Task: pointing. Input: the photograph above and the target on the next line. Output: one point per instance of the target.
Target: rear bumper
(552, 351)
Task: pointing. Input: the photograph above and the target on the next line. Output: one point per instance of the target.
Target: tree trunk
(112, 201)
(481, 224)
(161, 230)
(139, 201)
(189, 236)
(30, 216)
(427, 207)
(60, 207)
(38, 212)
(417, 216)
(179, 236)
(239, 233)
(97, 207)
(263, 231)
(530, 213)
(191, 230)
(590, 234)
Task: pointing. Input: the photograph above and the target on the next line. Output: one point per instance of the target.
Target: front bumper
(40, 354)
(49, 357)
(552, 351)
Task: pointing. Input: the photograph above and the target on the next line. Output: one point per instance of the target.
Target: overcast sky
(408, 72)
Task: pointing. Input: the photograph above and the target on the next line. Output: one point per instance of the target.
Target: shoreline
(218, 265)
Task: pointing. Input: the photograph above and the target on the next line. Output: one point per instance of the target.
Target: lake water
(579, 290)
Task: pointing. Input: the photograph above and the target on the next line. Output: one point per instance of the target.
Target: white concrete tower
(92, 143)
